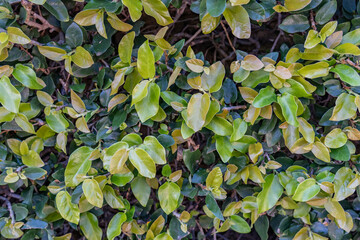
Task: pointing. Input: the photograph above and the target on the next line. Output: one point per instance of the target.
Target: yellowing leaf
(169, 194)
(143, 162)
(197, 110)
(93, 192)
(68, 210)
(238, 20)
(157, 10)
(9, 96)
(82, 58)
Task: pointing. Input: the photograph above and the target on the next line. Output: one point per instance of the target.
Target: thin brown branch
(11, 212)
(235, 107)
(227, 36)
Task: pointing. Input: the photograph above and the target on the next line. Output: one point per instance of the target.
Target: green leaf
(342, 179)
(317, 53)
(239, 129)
(347, 74)
(215, 7)
(118, 160)
(143, 162)
(16, 35)
(213, 80)
(214, 179)
(149, 105)
(9, 96)
(270, 194)
(220, 126)
(114, 228)
(74, 35)
(238, 20)
(295, 23)
(291, 5)
(156, 151)
(306, 190)
(79, 164)
(352, 37)
(224, 148)
(321, 151)
(312, 39)
(90, 227)
(169, 194)
(157, 10)
(68, 210)
(265, 97)
(213, 206)
(146, 61)
(57, 122)
(335, 209)
(23, 122)
(53, 53)
(112, 199)
(336, 138)
(348, 48)
(320, 69)
(197, 110)
(32, 159)
(209, 23)
(126, 46)
(93, 192)
(82, 58)
(238, 224)
(289, 108)
(345, 107)
(326, 12)
(57, 9)
(141, 190)
(135, 8)
(139, 92)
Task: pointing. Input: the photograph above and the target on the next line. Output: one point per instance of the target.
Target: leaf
(118, 160)
(336, 138)
(220, 126)
(265, 97)
(270, 194)
(318, 53)
(224, 148)
(112, 199)
(255, 150)
(335, 209)
(214, 179)
(90, 227)
(345, 107)
(289, 108)
(197, 110)
(57, 122)
(238, 20)
(53, 53)
(93, 192)
(74, 35)
(126, 46)
(348, 48)
(117, 24)
(149, 105)
(209, 23)
(79, 164)
(57, 9)
(306, 190)
(312, 39)
(306, 130)
(169, 194)
(26, 76)
(141, 190)
(157, 10)
(22, 121)
(326, 12)
(68, 210)
(321, 151)
(82, 58)
(114, 228)
(251, 63)
(295, 23)
(215, 7)
(351, 37)
(32, 159)
(9, 96)
(135, 8)
(342, 179)
(320, 69)
(213, 206)
(239, 129)
(292, 5)
(76, 102)
(16, 35)
(156, 151)
(139, 92)
(146, 61)
(238, 224)
(86, 17)
(212, 80)
(142, 162)
(347, 74)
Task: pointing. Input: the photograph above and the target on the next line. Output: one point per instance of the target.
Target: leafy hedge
(111, 127)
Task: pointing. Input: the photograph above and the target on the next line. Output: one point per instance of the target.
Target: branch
(227, 36)
(8, 204)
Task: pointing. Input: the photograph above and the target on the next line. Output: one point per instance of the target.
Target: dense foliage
(178, 119)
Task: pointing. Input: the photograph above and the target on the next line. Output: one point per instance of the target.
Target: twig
(235, 107)
(278, 36)
(193, 37)
(11, 212)
(351, 63)
(227, 36)
(312, 20)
